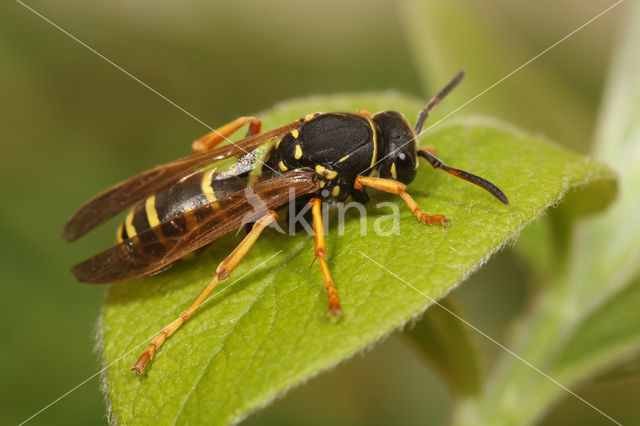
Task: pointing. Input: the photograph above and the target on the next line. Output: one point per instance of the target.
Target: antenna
(483, 183)
(424, 114)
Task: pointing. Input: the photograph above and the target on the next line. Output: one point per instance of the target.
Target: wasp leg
(211, 139)
(395, 187)
(321, 253)
(224, 269)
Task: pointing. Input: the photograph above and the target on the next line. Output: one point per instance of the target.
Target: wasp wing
(124, 194)
(155, 248)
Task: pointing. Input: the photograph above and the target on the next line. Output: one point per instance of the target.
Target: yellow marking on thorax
(128, 223)
(119, 233)
(336, 191)
(278, 143)
(152, 213)
(295, 133)
(344, 158)
(282, 167)
(207, 188)
(374, 157)
(327, 174)
(310, 116)
(298, 153)
(393, 171)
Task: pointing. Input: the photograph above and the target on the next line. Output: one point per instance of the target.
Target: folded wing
(157, 247)
(123, 195)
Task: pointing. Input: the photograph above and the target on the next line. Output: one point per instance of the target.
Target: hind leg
(211, 139)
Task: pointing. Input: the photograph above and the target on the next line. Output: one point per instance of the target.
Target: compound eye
(404, 161)
(405, 167)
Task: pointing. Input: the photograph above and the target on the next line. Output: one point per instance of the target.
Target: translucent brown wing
(117, 198)
(162, 245)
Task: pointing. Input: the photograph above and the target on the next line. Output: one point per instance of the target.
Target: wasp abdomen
(174, 207)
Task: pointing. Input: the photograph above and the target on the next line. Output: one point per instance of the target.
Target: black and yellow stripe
(171, 212)
(374, 136)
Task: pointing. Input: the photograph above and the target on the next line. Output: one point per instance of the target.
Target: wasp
(186, 204)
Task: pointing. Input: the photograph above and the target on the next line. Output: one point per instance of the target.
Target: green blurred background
(72, 125)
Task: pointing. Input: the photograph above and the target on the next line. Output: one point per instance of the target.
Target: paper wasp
(186, 204)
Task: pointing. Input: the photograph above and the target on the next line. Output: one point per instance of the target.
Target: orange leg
(321, 253)
(211, 139)
(364, 113)
(222, 272)
(395, 187)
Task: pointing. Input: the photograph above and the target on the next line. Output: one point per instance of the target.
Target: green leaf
(448, 344)
(587, 320)
(609, 333)
(266, 328)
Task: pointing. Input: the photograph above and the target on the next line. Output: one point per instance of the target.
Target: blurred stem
(447, 36)
(586, 318)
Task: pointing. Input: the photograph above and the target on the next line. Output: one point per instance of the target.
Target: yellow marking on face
(374, 157)
(295, 133)
(206, 188)
(336, 191)
(298, 153)
(344, 158)
(119, 233)
(393, 171)
(152, 213)
(128, 223)
(320, 170)
(282, 167)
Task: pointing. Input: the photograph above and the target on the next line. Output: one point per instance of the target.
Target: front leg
(399, 188)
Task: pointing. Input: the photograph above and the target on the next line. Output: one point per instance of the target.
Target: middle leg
(321, 253)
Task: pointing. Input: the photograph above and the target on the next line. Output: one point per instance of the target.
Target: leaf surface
(266, 328)
(449, 345)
